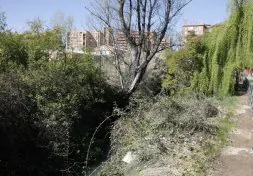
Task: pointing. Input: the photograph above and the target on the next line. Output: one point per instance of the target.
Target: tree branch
(125, 28)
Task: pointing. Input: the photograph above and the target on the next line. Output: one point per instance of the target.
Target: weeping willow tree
(229, 49)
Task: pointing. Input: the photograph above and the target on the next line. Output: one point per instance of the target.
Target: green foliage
(42, 44)
(229, 50)
(23, 49)
(59, 103)
(211, 64)
(183, 64)
(13, 49)
(49, 108)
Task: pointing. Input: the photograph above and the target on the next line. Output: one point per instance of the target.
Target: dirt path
(237, 158)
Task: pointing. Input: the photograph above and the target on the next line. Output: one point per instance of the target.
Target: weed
(184, 132)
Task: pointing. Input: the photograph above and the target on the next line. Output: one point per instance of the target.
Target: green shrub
(55, 107)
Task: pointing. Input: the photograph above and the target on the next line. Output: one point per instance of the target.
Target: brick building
(122, 43)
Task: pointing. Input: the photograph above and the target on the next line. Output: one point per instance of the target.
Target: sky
(18, 12)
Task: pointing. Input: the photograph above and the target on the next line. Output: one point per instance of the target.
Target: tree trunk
(137, 79)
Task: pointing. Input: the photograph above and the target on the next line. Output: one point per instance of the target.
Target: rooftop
(190, 25)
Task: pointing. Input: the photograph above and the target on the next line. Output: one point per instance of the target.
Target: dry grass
(169, 132)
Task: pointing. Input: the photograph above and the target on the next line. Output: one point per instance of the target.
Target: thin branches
(144, 24)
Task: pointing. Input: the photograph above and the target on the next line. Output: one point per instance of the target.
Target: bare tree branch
(144, 24)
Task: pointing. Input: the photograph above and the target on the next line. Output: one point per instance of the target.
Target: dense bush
(20, 145)
(49, 109)
(183, 65)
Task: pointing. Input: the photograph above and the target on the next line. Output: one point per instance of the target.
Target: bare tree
(3, 23)
(63, 23)
(144, 19)
(36, 25)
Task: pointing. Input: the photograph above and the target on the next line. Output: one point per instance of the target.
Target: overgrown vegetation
(48, 114)
(51, 102)
(183, 65)
(174, 134)
(211, 64)
(229, 49)
(49, 106)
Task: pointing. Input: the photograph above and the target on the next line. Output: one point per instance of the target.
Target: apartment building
(197, 29)
(98, 37)
(81, 41)
(122, 43)
(76, 40)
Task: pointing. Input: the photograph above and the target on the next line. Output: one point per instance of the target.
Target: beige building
(98, 39)
(82, 41)
(76, 40)
(197, 29)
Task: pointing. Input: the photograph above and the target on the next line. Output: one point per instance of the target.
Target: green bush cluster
(49, 109)
(183, 65)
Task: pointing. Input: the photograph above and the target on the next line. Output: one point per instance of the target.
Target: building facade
(197, 29)
(194, 29)
(150, 38)
(83, 41)
(76, 41)
(98, 39)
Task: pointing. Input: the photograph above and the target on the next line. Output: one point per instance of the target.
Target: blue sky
(18, 12)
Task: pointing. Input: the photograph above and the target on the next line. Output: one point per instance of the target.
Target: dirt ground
(237, 158)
